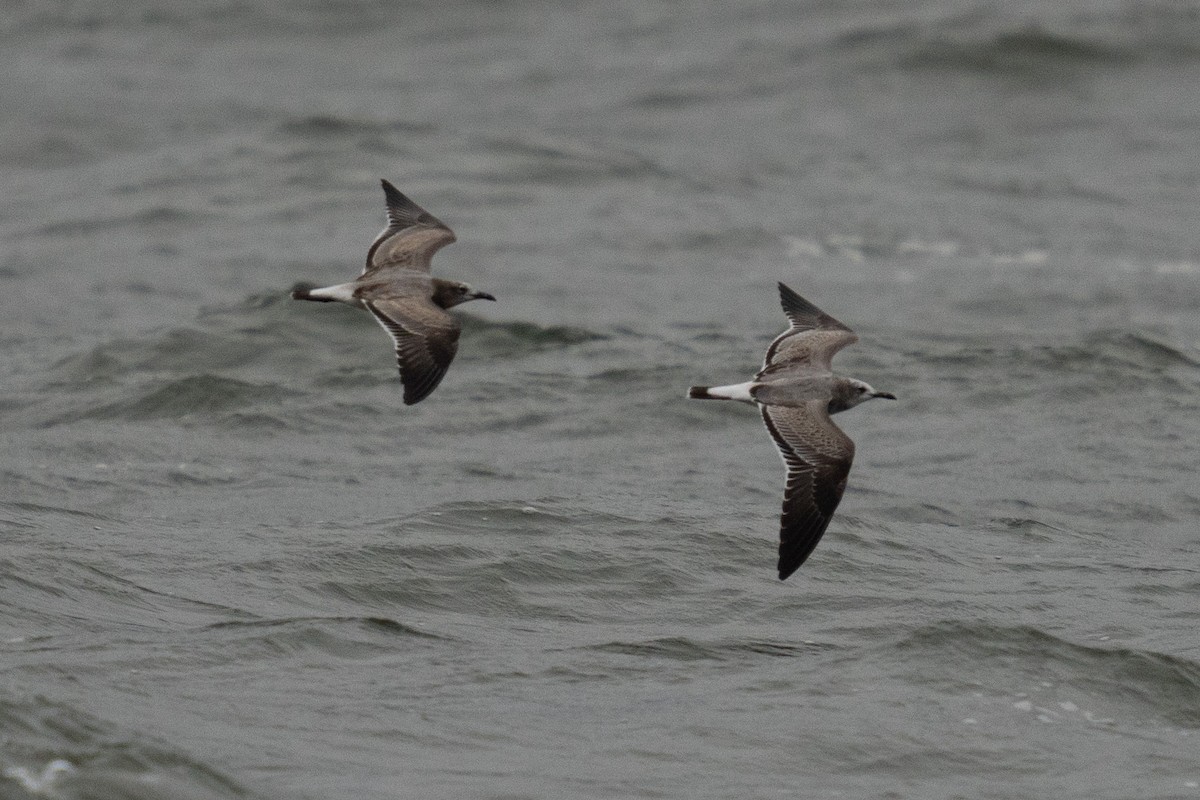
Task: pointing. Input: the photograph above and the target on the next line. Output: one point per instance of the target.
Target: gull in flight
(796, 391)
(397, 288)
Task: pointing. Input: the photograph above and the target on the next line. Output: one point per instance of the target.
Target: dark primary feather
(411, 237)
(397, 288)
(403, 212)
(818, 456)
(426, 343)
(813, 337)
(804, 315)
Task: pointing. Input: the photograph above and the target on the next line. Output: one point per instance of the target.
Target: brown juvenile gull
(398, 290)
(796, 391)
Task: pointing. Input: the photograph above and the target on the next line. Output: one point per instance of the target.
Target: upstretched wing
(817, 454)
(426, 339)
(812, 339)
(411, 237)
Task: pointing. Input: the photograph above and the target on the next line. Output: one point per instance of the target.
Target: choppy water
(235, 565)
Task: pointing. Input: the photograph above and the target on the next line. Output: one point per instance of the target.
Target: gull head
(448, 294)
(855, 392)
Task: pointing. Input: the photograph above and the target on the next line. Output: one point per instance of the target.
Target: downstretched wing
(426, 339)
(817, 454)
(812, 338)
(411, 237)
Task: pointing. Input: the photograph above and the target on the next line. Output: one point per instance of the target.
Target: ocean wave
(153, 217)
(1111, 353)
(1058, 42)
(1031, 529)
(1022, 52)
(1034, 187)
(18, 509)
(1145, 350)
(682, 648)
(78, 590)
(563, 161)
(324, 126)
(236, 364)
(340, 638)
(191, 396)
(243, 357)
(545, 561)
(205, 18)
(1099, 355)
(320, 136)
(53, 749)
(178, 350)
(1129, 681)
(473, 587)
(498, 339)
(186, 350)
(539, 516)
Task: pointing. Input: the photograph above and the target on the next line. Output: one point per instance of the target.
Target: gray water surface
(234, 565)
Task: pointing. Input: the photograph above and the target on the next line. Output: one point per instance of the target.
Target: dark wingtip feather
(793, 303)
(698, 393)
(398, 202)
(804, 314)
(403, 210)
(794, 552)
(789, 563)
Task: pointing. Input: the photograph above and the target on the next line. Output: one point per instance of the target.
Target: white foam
(799, 247)
(913, 246)
(1176, 268)
(38, 784)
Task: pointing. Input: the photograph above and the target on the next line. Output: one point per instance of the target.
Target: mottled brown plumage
(796, 391)
(398, 290)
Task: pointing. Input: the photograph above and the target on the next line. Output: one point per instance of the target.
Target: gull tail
(330, 294)
(737, 391)
(303, 291)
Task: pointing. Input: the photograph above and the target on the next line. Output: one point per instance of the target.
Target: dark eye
(462, 290)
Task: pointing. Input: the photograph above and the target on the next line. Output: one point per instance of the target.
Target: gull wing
(812, 338)
(411, 237)
(426, 339)
(817, 455)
